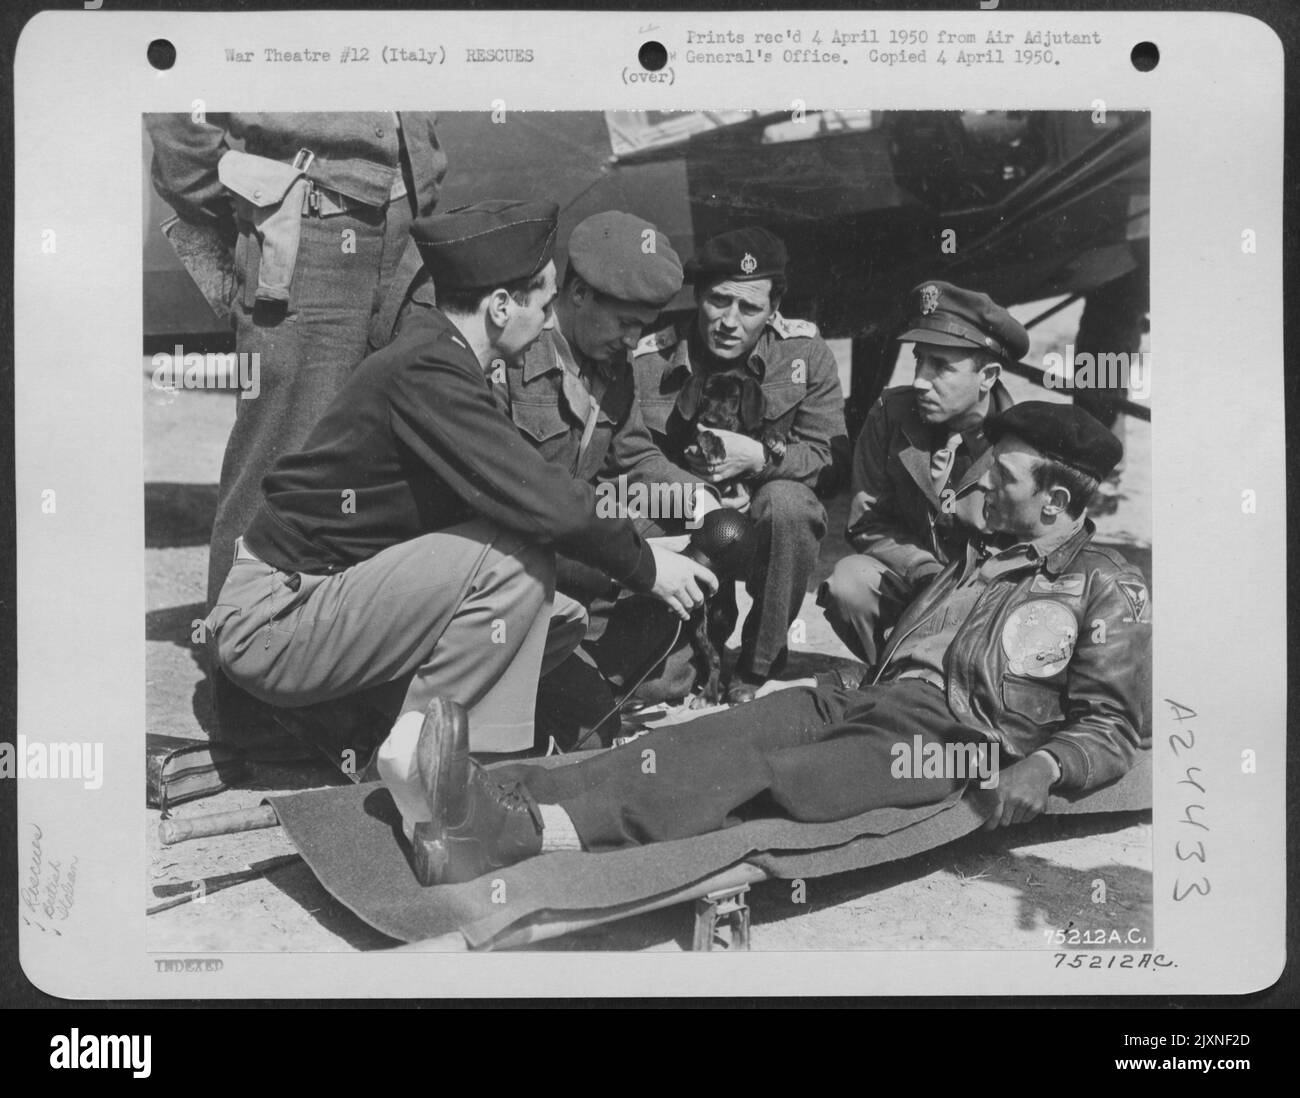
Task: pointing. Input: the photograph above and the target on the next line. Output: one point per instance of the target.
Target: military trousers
(863, 598)
(468, 613)
(790, 523)
(306, 349)
(806, 754)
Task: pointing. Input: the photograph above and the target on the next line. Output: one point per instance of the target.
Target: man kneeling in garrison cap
(407, 551)
(573, 396)
(1030, 651)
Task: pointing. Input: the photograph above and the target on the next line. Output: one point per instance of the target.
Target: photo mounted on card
(806, 485)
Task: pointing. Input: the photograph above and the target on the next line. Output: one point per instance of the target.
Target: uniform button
(379, 131)
(257, 192)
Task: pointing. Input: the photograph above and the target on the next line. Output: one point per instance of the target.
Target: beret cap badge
(749, 264)
(929, 299)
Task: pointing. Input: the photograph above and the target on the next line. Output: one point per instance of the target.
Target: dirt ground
(1002, 890)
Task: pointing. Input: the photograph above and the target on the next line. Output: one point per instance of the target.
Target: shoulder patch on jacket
(791, 329)
(1135, 591)
(657, 341)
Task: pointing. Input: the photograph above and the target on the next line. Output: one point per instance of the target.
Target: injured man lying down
(1030, 653)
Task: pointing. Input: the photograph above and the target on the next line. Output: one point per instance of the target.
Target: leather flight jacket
(1055, 655)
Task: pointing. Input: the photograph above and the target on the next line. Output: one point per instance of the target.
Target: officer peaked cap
(947, 315)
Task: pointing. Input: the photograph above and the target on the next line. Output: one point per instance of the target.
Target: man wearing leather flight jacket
(1032, 649)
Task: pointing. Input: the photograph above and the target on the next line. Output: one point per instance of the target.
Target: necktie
(941, 462)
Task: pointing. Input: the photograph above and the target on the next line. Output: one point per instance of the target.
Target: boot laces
(512, 797)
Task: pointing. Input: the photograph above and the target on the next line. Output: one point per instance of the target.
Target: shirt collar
(755, 364)
(553, 352)
(1054, 549)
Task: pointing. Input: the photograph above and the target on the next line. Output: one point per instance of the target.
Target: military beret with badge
(742, 255)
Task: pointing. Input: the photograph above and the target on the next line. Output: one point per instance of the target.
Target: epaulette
(657, 341)
(790, 329)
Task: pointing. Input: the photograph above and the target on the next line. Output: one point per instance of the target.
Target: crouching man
(1034, 643)
(407, 552)
(914, 503)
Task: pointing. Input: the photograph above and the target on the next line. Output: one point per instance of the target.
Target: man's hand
(1021, 792)
(743, 455)
(680, 582)
(737, 499)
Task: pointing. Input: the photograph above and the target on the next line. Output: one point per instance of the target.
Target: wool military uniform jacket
(802, 401)
(895, 514)
(415, 442)
(535, 396)
(1054, 655)
(357, 154)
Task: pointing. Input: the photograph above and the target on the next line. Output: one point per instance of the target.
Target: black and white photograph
(649, 530)
(807, 487)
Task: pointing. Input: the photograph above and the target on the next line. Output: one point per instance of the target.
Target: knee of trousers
(526, 570)
(853, 588)
(790, 507)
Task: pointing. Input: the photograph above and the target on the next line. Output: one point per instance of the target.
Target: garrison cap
(608, 251)
(742, 255)
(947, 315)
(1060, 431)
(487, 244)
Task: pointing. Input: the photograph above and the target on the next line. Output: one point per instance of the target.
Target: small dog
(725, 402)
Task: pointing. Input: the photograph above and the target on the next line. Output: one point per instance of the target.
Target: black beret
(1063, 432)
(609, 251)
(742, 255)
(939, 312)
(487, 244)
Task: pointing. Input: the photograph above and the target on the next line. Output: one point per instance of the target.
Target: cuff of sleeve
(642, 577)
(1073, 762)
